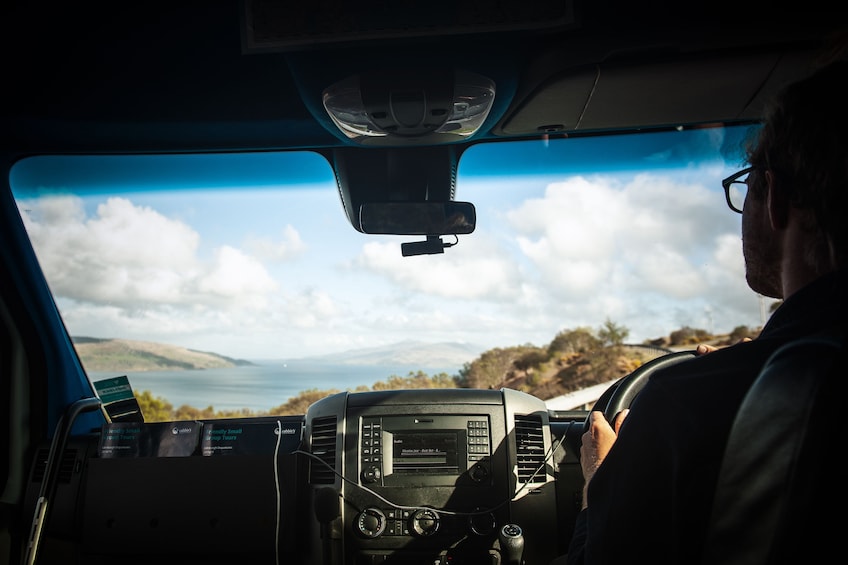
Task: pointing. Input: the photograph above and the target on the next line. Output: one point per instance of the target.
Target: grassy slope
(127, 355)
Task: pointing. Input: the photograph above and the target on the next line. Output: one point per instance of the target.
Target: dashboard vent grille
(530, 448)
(66, 466)
(323, 446)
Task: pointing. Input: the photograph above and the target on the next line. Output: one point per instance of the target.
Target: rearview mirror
(417, 218)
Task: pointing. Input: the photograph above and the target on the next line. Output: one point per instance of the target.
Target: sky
(255, 259)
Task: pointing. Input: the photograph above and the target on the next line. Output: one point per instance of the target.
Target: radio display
(423, 449)
(432, 452)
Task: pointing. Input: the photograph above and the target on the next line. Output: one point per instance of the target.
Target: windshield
(233, 284)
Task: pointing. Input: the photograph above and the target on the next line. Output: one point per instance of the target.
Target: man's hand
(597, 442)
(703, 348)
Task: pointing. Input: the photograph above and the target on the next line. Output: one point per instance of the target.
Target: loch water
(261, 386)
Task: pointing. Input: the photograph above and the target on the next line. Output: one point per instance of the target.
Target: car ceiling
(247, 75)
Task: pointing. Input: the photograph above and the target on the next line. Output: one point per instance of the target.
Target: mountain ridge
(117, 354)
(407, 352)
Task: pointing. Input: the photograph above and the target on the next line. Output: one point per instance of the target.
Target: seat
(781, 482)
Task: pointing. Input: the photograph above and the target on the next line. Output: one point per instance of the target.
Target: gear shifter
(512, 544)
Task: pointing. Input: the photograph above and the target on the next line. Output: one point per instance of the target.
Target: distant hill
(116, 355)
(417, 353)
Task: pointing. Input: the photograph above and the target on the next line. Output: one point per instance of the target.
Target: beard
(762, 253)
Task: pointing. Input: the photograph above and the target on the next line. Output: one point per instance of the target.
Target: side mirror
(417, 218)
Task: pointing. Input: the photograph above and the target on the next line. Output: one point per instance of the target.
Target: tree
(612, 334)
(687, 335)
(491, 368)
(741, 332)
(578, 340)
(300, 403)
(154, 409)
(415, 379)
(532, 358)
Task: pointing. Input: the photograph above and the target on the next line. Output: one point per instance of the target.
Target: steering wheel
(622, 392)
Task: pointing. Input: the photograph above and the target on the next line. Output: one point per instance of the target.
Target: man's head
(794, 221)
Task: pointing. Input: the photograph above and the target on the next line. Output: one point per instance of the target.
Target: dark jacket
(650, 500)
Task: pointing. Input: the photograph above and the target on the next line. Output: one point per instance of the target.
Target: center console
(432, 476)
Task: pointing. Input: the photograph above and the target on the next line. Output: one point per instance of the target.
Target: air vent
(323, 446)
(530, 448)
(66, 467)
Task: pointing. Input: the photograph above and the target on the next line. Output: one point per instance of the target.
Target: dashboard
(429, 476)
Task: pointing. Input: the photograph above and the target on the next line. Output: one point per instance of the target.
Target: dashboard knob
(371, 474)
(479, 472)
(424, 522)
(371, 522)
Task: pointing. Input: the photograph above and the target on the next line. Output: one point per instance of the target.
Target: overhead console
(432, 476)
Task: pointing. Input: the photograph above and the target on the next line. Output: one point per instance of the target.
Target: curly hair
(804, 142)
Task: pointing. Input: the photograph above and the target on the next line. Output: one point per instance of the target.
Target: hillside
(424, 355)
(116, 355)
(574, 360)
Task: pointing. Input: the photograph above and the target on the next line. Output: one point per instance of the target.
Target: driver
(649, 490)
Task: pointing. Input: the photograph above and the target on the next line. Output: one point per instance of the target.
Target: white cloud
(646, 252)
(135, 258)
(309, 308)
(237, 276)
(287, 246)
(667, 271)
(124, 254)
(473, 269)
(586, 233)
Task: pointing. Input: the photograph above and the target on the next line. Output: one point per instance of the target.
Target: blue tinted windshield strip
(110, 173)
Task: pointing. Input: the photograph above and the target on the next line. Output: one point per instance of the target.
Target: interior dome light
(400, 108)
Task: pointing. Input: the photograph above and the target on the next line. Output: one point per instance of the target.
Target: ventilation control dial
(371, 522)
(424, 522)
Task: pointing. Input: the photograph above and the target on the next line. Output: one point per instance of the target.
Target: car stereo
(431, 450)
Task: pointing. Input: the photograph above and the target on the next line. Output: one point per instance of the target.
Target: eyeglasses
(736, 189)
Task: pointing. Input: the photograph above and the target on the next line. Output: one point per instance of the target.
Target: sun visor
(610, 97)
